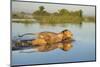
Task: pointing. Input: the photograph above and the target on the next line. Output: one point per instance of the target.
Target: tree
(41, 11)
(77, 13)
(41, 8)
(81, 13)
(63, 12)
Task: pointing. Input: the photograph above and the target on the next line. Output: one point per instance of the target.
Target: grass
(58, 19)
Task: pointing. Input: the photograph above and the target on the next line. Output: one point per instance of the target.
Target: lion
(51, 37)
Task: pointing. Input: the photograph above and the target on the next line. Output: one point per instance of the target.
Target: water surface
(83, 46)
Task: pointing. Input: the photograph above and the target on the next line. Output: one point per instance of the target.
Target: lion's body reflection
(65, 46)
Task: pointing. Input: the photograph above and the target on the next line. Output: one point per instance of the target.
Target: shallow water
(83, 46)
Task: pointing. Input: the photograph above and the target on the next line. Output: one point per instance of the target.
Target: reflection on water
(83, 47)
(65, 46)
(55, 24)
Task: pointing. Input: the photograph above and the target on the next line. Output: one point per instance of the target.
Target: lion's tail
(27, 34)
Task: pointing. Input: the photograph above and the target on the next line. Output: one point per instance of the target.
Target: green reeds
(58, 19)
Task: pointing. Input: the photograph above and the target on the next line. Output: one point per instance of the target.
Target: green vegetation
(21, 15)
(41, 12)
(60, 16)
(89, 18)
(57, 19)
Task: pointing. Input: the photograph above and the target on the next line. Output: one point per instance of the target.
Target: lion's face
(67, 34)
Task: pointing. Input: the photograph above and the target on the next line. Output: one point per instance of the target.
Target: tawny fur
(51, 37)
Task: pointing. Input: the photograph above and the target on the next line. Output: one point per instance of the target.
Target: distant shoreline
(17, 20)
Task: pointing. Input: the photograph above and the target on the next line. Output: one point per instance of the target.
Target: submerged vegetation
(61, 16)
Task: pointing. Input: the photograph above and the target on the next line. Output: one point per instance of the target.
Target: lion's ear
(65, 30)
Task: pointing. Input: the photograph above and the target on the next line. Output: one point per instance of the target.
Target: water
(83, 46)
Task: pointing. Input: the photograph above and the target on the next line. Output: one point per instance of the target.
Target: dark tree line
(42, 12)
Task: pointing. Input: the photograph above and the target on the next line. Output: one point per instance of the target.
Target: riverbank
(54, 19)
(23, 20)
